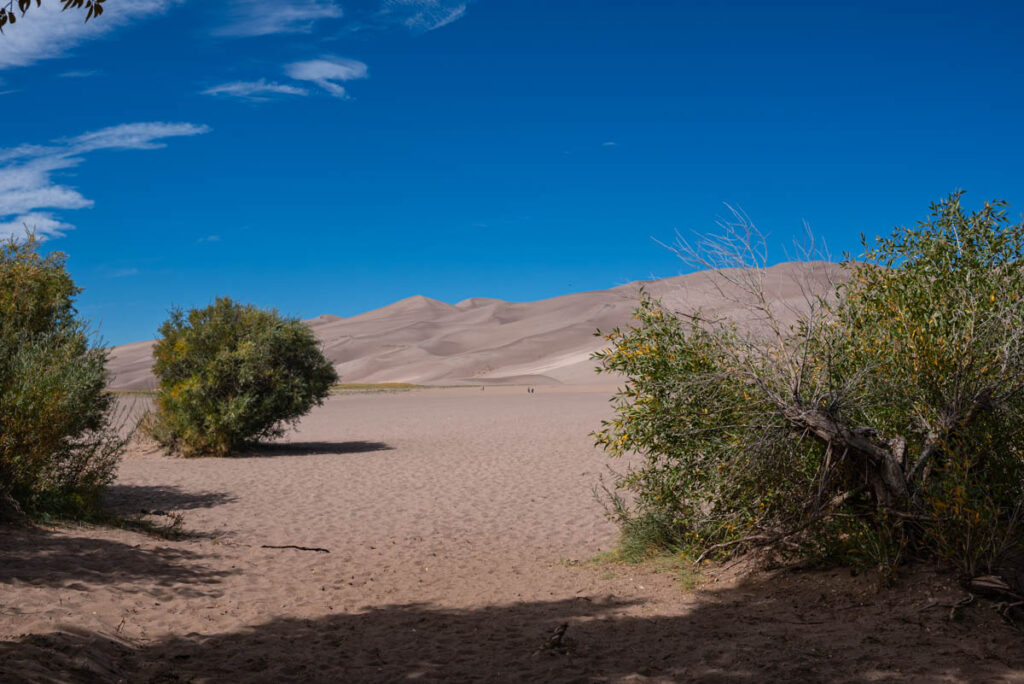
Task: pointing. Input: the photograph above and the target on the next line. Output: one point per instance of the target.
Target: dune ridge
(486, 341)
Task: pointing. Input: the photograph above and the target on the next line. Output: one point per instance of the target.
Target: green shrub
(58, 448)
(231, 375)
(884, 423)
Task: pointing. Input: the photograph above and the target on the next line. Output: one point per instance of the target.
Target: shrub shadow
(277, 449)
(40, 557)
(749, 633)
(120, 498)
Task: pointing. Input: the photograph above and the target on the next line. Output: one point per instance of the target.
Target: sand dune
(489, 341)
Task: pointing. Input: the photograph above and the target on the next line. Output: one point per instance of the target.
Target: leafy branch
(93, 8)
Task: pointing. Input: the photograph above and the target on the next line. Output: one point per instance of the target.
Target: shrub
(231, 375)
(58, 448)
(884, 423)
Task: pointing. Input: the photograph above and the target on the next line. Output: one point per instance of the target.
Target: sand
(458, 526)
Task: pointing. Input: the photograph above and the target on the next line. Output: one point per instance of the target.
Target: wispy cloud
(209, 238)
(46, 32)
(133, 136)
(28, 193)
(431, 15)
(418, 16)
(79, 74)
(608, 144)
(327, 71)
(118, 272)
(43, 223)
(262, 18)
(254, 90)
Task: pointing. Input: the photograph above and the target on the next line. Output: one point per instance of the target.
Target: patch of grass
(76, 510)
(375, 387)
(605, 558)
(676, 561)
(679, 564)
(169, 526)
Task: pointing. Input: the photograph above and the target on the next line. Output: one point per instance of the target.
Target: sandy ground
(457, 526)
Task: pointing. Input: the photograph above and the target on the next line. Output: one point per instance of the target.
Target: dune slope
(489, 341)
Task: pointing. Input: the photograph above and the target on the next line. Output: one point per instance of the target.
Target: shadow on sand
(121, 498)
(312, 448)
(39, 557)
(748, 633)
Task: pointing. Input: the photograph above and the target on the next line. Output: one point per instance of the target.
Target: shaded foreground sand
(458, 523)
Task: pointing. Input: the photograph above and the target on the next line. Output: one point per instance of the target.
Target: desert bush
(231, 375)
(882, 422)
(58, 445)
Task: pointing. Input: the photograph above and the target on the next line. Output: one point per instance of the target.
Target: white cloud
(134, 136)
(46, 32)
(79, 74)
(423, 15)
(262, 17)
(418, 16)
(209, 238)
(254, 90)
(326, 71)
(42, 223)
(434, 16)
(28, 192)
(608, 144)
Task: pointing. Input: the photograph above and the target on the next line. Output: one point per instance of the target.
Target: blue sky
(325, 156)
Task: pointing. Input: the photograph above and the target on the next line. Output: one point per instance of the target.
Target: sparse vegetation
(58, 444)
(375, 387)
(883, 423)
(231, 375)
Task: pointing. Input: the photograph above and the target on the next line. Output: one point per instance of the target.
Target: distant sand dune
(489, 341)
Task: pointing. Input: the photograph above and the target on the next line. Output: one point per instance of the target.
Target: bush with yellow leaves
(884, 424)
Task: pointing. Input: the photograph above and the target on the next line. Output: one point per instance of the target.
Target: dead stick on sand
(300, 548)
